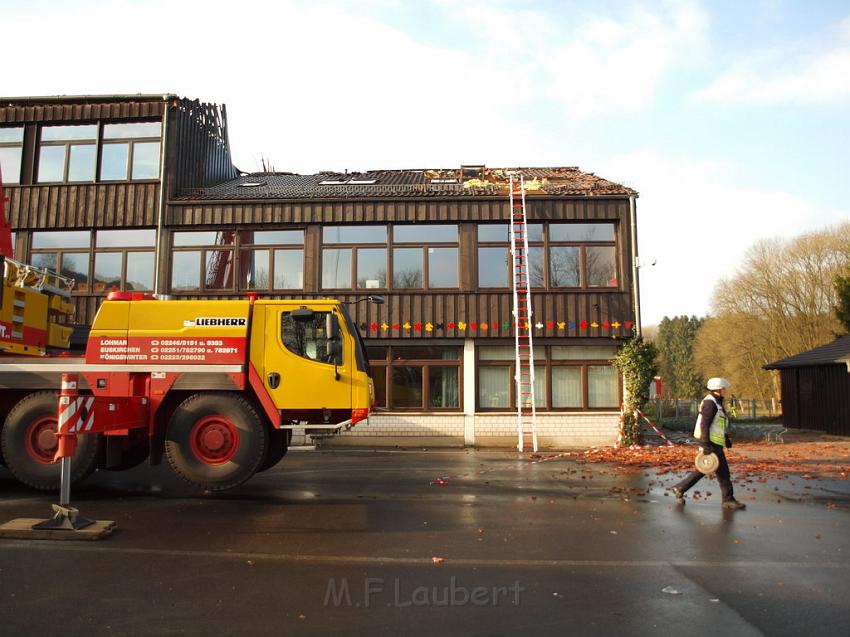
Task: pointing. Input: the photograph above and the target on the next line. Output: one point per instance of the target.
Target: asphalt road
(342, 543)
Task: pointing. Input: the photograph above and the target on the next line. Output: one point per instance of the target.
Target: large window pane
(219, 274)
(210, 238)
(307, 339)
(139, 271)
(12, 135)
(601, 266)
(82, 163)
(51, 163)
(494, 387)
(273, 237)
(564, 267)
(10, 164)
(125, 238)
(76, 266)
(442, 267)
(255, 272)
(336, 268)
(46, 260)
(424, 352)
(145, 160)
(537, 267)
(354, 234)
(425, 233)
(506, 353)
(566, 387)
(186, 270)
(379, 378)
(492, 267)
(288, 269)
(407, 268)
(493, 232)
(113, 162)
(64, 133)
(407, 387)
(581, 232)
(371, 268)
(602, 386)
(443, 387)
(583, 352)
(134, 129)
(535, 231)
(540, 387)
(107, 271)
(51, 239)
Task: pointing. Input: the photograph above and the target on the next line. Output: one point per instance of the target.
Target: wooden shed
(816, 388)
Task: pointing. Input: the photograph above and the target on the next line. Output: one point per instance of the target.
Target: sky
(729, 118)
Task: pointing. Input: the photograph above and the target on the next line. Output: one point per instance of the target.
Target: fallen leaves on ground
(756, 460)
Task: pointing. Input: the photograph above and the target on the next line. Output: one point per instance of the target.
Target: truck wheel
(29, 443)
(216, 441)
(279, 440)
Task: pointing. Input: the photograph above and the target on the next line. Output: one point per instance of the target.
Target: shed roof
(837, 352)
(439, 182)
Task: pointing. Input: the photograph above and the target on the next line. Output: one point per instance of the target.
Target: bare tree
(779, 303)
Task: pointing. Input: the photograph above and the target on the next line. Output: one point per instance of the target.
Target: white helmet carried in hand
(714, 384)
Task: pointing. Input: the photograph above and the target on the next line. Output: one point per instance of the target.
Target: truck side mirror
(334, 350)
(331, 327)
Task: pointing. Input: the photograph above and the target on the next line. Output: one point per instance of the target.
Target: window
(566, 377)
(353, 262)
(127, 151)
(123, 259)
(67, 153)
(64, 252)
(582, 255)
(495, 266)
(427, 265)
(306, 338)
(246, 260)
(130, 151)
(420, 378)
(561, 255)
(11, 148)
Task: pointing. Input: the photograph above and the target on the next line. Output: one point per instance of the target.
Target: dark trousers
(723, 476)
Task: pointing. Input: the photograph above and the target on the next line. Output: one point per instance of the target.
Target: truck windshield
(359, 346)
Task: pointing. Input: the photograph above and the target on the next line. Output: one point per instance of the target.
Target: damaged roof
(837, 352)
(466, 181)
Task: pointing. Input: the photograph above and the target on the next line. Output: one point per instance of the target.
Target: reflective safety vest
(717, 428)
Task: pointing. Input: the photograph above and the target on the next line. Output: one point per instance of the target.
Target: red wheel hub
(214, 439)
(41, 441)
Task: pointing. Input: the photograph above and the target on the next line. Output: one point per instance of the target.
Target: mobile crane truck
(214, 386)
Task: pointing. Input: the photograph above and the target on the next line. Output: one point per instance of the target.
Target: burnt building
(139, 192)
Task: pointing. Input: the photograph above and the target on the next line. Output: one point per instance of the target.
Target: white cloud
(698, 220)
(787, 75)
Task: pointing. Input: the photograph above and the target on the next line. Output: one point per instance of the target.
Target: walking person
(710, 430)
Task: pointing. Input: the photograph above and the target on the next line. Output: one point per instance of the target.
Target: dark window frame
(389, 363)
(238, 247)
(545, 365)
(131, 141)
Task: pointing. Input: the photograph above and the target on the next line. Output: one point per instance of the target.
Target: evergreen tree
(842, 306)
(675, 343)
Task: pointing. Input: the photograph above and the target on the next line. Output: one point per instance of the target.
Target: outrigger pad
(65, 518)
(60, 527)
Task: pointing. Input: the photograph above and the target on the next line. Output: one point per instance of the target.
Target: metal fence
(740, 409)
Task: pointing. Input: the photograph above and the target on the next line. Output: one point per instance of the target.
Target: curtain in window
(601, 386)
(566, 386)
(494, 390)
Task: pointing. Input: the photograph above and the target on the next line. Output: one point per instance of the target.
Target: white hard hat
(714, 384)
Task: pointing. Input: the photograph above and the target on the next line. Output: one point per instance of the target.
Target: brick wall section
(491, 430)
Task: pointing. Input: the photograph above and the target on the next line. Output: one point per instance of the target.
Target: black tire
(216, 441)
(279, 440)
(28, 456)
